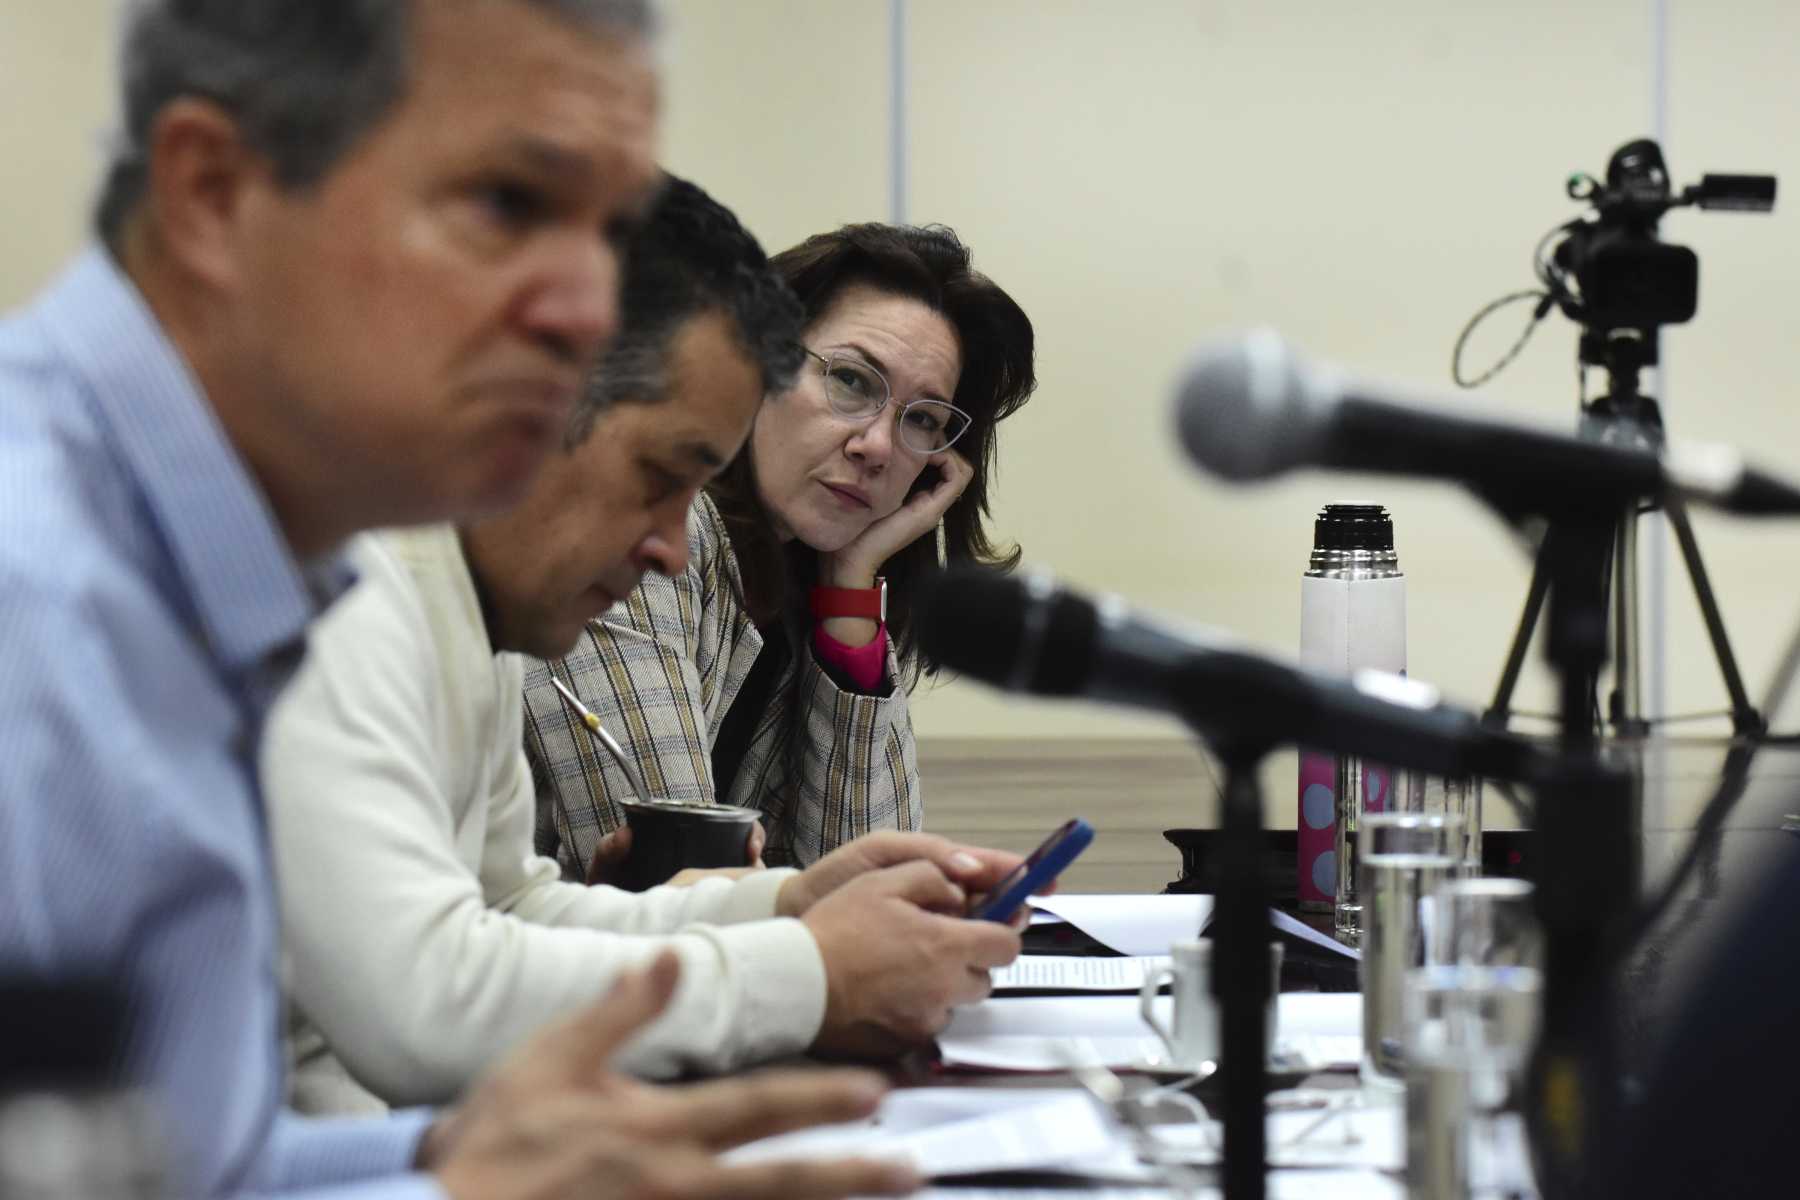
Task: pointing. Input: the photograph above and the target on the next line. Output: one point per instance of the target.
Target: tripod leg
(1627, 706)
(1744, 718)
(1500, 711)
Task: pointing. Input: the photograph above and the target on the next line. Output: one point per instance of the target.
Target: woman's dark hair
(931, 265)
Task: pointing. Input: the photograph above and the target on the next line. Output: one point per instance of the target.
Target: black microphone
(1251, 408)
(1025, 634)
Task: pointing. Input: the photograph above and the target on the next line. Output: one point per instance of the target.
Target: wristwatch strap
(867, 603)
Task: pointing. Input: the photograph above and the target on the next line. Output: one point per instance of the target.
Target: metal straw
(604, 738)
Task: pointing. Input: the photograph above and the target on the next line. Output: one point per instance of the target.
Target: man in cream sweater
(426, 937)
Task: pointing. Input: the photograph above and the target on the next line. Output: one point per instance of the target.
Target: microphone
(1251, 408)
(1025, 634)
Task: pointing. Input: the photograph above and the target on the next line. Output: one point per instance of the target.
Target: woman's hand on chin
(857, 564)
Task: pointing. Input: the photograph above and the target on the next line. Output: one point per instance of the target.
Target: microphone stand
(1240, 975)
(1589, 878)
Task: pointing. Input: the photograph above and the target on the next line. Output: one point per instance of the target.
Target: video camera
(1624, 276)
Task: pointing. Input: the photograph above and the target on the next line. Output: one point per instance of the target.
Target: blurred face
(416, 327)
(601, 515)
(825, 478)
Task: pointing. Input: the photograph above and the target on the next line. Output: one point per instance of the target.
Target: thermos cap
(1353, 527)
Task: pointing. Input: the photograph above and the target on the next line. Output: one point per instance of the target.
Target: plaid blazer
(660, 669)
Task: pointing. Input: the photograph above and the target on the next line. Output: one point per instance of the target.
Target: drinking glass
(1469, 1035)
(1404, 858)
(1485, 923)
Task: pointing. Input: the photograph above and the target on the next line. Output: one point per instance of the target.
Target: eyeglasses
(858, 391)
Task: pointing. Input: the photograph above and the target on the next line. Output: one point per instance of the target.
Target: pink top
(861, 665)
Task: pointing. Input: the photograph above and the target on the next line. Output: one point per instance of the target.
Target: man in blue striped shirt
(354, 260)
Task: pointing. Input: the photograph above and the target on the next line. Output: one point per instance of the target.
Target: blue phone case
(1045, 864)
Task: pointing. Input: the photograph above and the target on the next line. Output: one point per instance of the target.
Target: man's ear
(201, 189)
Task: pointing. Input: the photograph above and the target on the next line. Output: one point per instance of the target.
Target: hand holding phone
(1046, 863)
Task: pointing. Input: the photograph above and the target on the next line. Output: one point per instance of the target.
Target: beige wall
(56, 81)
(1144, 175)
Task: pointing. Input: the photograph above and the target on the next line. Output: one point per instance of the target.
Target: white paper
(1141, 926)
(1066, 1132)
(956, 1127)
(1371, 1136)
(1300, 929)
(1048, 1033)
(1048, 1016)
(1283, 1185)
(1134, 925)
(1077, 973)
(1052, 1193)
(963, 1131)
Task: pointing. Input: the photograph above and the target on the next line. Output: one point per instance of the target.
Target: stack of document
(1059, 974)
(1049, 1011)
(1322, 1030)
(950, 1134)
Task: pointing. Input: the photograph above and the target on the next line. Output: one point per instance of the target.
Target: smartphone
(1045, 864)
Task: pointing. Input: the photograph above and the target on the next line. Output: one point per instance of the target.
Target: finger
(729, 1112)
(753, 845)
(699, 1178)
(924, 885)
(974, 986)
(960, 469)
(935, 500)
(984, 944)
(977, 868)
(889, 847)
(579, 1046)
(608, 854)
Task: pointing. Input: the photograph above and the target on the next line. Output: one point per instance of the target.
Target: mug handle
(1152, 984)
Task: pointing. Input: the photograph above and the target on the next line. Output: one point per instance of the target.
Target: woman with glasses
(773, 672)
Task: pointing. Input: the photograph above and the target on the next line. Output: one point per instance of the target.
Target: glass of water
(1404, 858)
(1455, 796)
(1485, 923)
(1469, 1035)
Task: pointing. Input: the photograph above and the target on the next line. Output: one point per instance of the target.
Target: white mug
(1192, 1037)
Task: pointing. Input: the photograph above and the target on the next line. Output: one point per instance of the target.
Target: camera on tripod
(1611, 274)
(1625, 277)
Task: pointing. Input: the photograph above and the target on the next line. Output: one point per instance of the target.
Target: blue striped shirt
(150, 610)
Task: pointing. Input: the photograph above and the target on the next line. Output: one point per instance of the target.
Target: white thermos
(1352, 618)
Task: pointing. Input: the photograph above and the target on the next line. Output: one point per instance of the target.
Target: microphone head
(1017, 632)
(1250, 408)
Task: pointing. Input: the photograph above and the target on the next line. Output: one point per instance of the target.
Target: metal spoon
(604, 738)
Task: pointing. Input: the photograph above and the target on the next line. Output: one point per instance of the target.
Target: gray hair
(305, 79)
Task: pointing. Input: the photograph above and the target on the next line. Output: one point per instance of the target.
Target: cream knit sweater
(425, 937)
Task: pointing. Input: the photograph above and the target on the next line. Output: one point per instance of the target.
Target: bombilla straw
(604, 738)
